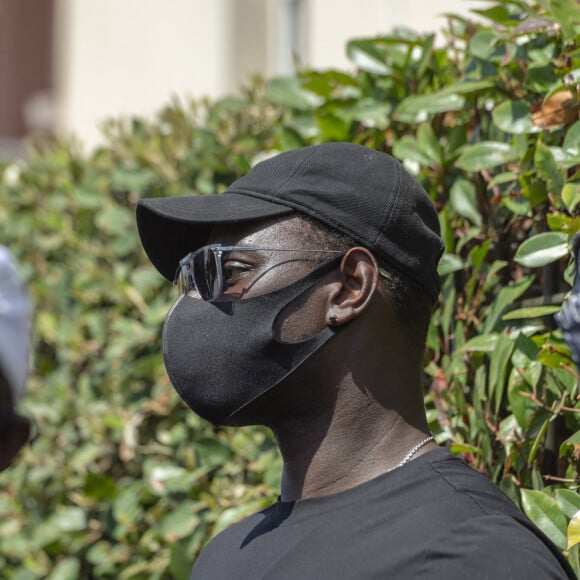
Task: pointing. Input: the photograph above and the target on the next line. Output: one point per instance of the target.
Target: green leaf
(553, 357)
(571, 195)
(559, 222)
(572, 139)
(567, 13)
(416, 109)
(407, 149)
(212, 451)
(531, 312)
(467, 87)
(492, 277)
(533, 189)
(180, 523)
(127, 508)
(545, 513)
(548, 169)
(500, 178)
(326, 83)
(429, 143)
(486, 155)
(514, 117)
(114, 220)
(290, 139)
(70, 518)
(483, 43)
(565, 158)
(289, 92)
(524, 377)
(568, 501)
(87, 198)
(574, 560)
(365, 55)
(482, 343)
(518, 206)
(458, 448)
(370, 113)
(542, 249)
(67, 569)
(571, 445)
(100, 486)
(508, 429)
(573, 531)
(499, 14)
(180, 563)
(500, 358)
(133, 179)
(463, 199)
(427, 54)
(449, 263)
(538, 441)
(332, 126)
(572, 77)
(505, 298)
(479, 253)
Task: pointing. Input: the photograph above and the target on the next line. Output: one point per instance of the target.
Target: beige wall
(122, 57)
(332, 22)
(128, 57)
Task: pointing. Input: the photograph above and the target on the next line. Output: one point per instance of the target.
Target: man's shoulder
(230, 541)
(460, 478)
(243, 528)
(493, 545)
(438, 516)
(444, 484)
(475, 519)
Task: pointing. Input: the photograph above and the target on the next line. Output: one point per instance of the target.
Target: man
(305, 296)
(14, 339)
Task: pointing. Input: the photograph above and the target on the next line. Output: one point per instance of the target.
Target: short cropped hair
(412, 304)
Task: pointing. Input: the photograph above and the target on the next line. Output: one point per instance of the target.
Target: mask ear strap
(302, 286)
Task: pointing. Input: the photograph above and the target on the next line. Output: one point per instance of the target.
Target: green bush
(123, 481)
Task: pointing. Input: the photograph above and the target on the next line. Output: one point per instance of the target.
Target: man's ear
(359, 277)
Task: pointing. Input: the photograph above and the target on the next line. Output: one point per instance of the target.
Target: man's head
(14, 341)
(338, 203)
(353, 190)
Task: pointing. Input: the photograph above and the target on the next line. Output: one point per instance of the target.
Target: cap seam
(386, 219)
(298, 167)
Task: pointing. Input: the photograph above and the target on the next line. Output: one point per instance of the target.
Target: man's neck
(359, 441)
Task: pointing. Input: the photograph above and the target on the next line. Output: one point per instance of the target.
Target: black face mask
(221, 356)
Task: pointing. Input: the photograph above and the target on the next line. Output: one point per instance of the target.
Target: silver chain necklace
(411, 453)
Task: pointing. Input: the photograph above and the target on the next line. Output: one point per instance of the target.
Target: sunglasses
(203, 270)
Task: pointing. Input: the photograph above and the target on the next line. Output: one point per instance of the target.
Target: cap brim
(171, 227)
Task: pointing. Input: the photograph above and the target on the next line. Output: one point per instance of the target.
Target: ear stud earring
(333, 319)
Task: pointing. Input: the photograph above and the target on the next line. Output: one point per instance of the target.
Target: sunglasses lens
(200, 271)
(205, 273)
(184, 276)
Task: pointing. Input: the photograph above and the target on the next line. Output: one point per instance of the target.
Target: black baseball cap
(352, 189)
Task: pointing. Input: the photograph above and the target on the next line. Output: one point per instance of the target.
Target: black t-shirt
(434, 518)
